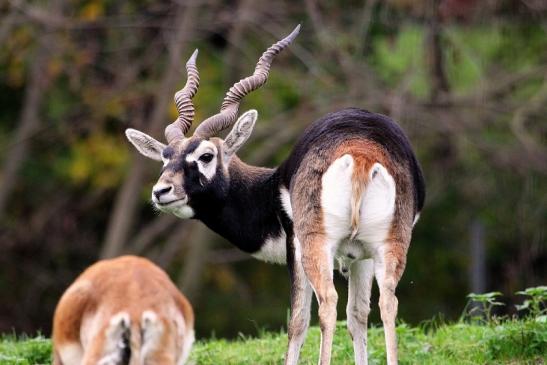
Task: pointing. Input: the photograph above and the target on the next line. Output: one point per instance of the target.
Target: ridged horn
(183, 101)
(230, 106)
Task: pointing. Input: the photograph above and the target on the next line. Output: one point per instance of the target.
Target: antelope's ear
(239, 133)
(145, 144)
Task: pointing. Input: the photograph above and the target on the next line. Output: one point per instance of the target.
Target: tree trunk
(36, 85)
(477, 272)
(127, 201)
(191, 275)
(435, 58)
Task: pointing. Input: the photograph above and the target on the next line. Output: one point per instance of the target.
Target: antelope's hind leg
(321, 205)
(358, 307)
(388, 269)
(318, 262)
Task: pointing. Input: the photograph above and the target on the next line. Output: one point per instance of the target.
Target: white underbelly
(273, 250)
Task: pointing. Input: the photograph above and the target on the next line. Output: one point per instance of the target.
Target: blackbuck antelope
(349, 192)
(123, 311)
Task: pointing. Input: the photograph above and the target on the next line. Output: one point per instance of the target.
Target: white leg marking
(358, 307)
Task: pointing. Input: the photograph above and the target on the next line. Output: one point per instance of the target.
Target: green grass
(509, 342)
(25, 351)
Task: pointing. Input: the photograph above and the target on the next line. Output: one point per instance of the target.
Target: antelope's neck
(249, 216)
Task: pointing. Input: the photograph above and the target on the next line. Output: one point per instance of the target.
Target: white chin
(179, 209)
(183, 212)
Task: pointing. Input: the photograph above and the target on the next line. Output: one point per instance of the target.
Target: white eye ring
(206, 157)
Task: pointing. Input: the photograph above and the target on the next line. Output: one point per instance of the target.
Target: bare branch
(364, 25)
(518, 125)
(146, 235)
(178, 239)
(226, 256)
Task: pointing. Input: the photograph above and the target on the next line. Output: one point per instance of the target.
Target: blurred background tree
(466, 79)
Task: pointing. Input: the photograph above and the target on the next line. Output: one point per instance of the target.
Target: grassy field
(508, 342)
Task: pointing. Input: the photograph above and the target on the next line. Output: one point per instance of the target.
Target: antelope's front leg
(301, 294)
(317, 260)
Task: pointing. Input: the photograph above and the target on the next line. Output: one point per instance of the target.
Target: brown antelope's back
(122, 311)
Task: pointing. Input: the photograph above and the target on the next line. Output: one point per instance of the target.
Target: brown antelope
(124, 311)
(350, 191)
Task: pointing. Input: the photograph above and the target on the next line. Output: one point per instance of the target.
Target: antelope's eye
(206, 157)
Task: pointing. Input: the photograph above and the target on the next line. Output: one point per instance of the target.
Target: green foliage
(517, 340)
(25, 351)
(486, 301)
(469, 53)
(400, 59)
(99, 161)
(535, 304)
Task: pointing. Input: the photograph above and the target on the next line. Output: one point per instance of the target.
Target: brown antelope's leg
(56, 358)
(158, 340)
(388, 269)
(67, 322)
(93, 353)
(301, 294)
(358, 307)
(317, 260)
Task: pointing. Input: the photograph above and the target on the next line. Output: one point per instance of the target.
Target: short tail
(359, 181)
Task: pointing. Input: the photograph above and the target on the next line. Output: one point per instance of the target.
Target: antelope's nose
(161, 190)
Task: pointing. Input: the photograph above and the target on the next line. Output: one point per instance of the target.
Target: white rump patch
(189, 339)
(376, 210)
(71, 354)
(152, 331)
(116, 338)
(336, 197)
(273, 250)
(377, 206)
